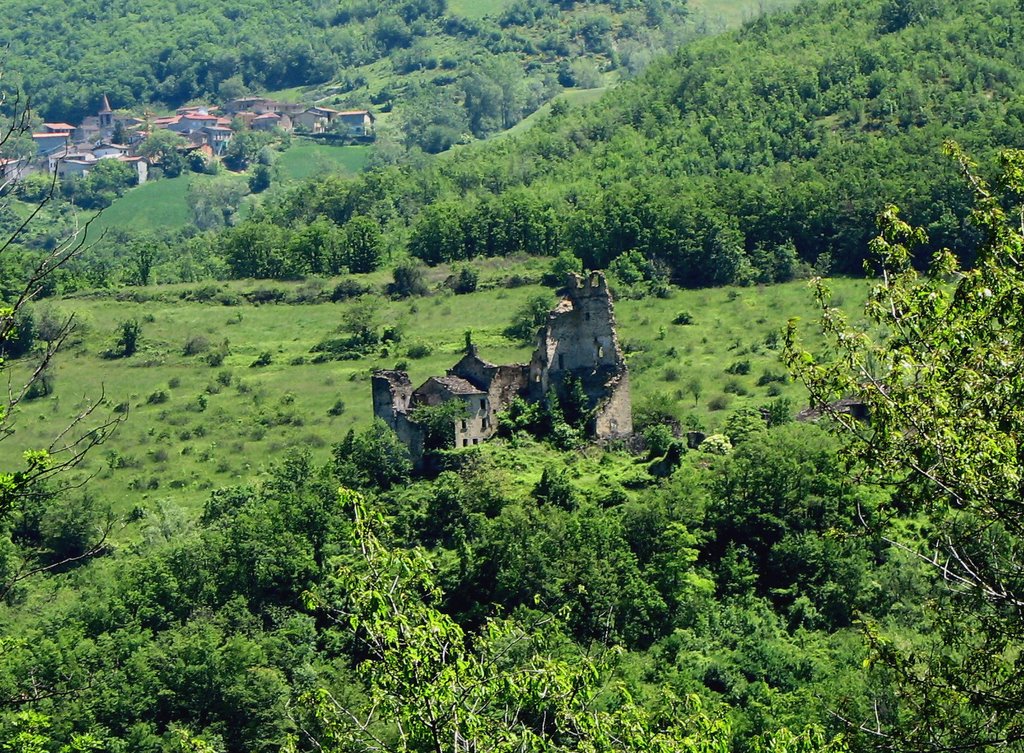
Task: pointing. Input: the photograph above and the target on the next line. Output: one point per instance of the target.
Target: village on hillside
(70, 151)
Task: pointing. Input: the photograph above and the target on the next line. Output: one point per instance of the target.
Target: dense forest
(731, 161)
(738, 159)
(785, 586)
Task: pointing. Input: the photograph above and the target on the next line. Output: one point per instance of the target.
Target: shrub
(769, 377)
(419, 350)
(158, 397)
(719, 402)
(41, 386)
(128, 334)
(310, 291)
(735, 388)
(263, 359)
(202, 294)
(779, 411)
(739, 367)
(265, 295)
(561, 267)
(466, 280)
(408, 280)
(348, 288)
(337, 409)
(530, 316)
(659, 439)
(716, 444)
(656, 408)
(195, 345)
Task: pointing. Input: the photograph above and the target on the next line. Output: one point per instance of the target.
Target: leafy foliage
(944, 432)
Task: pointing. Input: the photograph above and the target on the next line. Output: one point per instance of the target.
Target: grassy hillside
(158, 206)
(303, 160)
(190, 427)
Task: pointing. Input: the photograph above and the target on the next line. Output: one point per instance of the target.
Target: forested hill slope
(67, 55)
(727, 158)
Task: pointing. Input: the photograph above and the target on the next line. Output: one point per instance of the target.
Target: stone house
(578, 341)
(51, 142)
(74, 166)
(271, 120)
(107, 149)
(314, 119)
(357, 123)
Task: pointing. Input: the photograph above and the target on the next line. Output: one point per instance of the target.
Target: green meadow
(188, 427)
(155, 206)
(304, 159)
(476, 8)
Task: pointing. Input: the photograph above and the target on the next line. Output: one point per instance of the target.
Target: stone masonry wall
(578, 340)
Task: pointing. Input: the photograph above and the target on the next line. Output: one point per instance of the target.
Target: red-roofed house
(271, 120)
(141, 165)
(314, 119)
(246, 117)
(196, 120)
(47, 143)
(219, 136)
(356, 122)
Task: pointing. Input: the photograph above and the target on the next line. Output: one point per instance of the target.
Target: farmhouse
(271, 120)
(314, 119)
(357, 122)
(577, 343)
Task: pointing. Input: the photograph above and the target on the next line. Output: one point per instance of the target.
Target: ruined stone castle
(578, 340)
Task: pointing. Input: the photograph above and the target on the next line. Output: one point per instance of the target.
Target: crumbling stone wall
(578, 340)
(392, 401)
(501, 383)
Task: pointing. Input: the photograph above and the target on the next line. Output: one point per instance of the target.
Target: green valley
(757, 490)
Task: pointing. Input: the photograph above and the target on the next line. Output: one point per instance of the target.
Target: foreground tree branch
(940, 368)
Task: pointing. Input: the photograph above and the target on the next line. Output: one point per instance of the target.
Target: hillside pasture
(306, 158)
(190, 426)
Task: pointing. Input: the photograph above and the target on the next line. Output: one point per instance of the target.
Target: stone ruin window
(483, 403)
(586, 316)
(600, 351)
(465, 442)
(463, 424)
(561, 361)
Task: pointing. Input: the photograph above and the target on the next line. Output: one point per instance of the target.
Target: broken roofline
(578, 341)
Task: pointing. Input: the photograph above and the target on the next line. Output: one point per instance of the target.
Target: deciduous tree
(941, 373)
